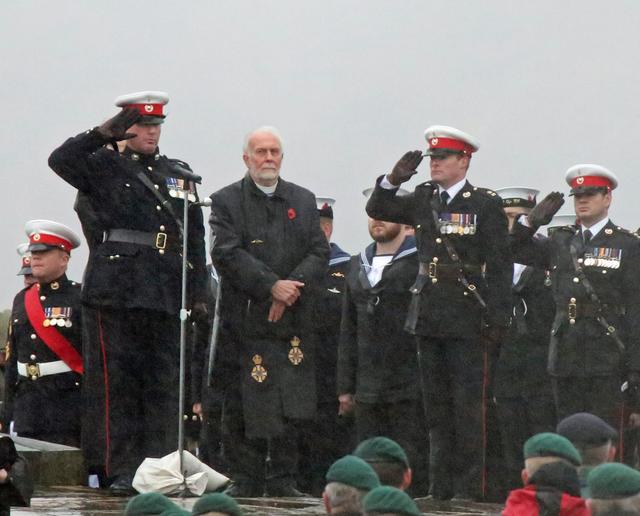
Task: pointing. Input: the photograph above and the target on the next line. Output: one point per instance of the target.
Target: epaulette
(485, 191)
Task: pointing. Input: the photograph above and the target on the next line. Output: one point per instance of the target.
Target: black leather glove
(115, 129)
(405, 168)
(543, 212)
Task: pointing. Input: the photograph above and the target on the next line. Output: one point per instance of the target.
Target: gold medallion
(46, 323)
(295, 353)
(258, 373)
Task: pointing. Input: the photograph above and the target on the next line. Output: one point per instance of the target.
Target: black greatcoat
(47, 408)
(583, 353)
(446, 308)
(123, 275)
(256, 240)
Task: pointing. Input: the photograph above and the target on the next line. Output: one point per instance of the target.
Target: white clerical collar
(269, 190)
(596, 228)
(453, 190)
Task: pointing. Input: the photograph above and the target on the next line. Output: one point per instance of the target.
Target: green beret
(613, 480)
(548, 444)
(217, 502)
(381, 449)
(389, 499)
(148, 503)
(175, 511)
(353, 471)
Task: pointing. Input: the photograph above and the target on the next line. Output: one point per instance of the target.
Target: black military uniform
(522, 386)
(587, 365)
(256, 240)
(329, 436)
(448, 317)
(44, 406)
(132, 294)
(377, 358)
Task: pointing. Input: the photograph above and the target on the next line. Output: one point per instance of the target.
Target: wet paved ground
(77, 501)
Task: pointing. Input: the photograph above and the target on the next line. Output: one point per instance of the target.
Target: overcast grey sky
(351, 85)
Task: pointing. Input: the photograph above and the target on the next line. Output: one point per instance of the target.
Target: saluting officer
(44, 361)
(522, 386)
(329, 436)
(596, 287)
(132, 290)
(461, 301)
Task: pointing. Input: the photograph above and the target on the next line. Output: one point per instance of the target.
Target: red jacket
(536, 501)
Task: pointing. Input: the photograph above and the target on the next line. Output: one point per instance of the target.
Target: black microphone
(186, 174)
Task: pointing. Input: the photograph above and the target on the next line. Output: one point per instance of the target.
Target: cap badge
(36, 237)
(608, 231)
(27, 260)
(434, 141)
(258, 373)
(148, 108)
(580, 180)
(295, 353)
(466, 195)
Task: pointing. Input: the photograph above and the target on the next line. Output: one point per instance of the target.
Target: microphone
(186, 174)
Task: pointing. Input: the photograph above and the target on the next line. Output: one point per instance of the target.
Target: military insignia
(33, 370)
(580, 180)
(466, 195)
(608, 231)
(148, 108)
(57, 316)
(333, 290)
(295, 353)
(178, 188)
(337, 275)
(55, 285)
(257, 241)
(604, 257)
(258, 373)
(46, 323)
(434, 141)
(457, 223)
(36, 237)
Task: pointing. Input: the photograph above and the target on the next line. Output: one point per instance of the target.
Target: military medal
(46, 323)
(295, 353)
(258, 373)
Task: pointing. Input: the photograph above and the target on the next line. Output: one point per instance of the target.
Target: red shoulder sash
(54, 340)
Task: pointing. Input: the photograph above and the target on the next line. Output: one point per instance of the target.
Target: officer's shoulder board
(485, 192)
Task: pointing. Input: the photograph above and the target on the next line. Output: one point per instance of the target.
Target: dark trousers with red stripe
(130, 388)
(455, 380)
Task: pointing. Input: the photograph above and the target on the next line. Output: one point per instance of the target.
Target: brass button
(42, 298)
(572, 300)
(434, 280)
(438, 240)
(32, 357)
(149, 168)
(162, 228)
(157, 187)
(435, 259)
(127, 185)
(33, 336)
(161, 251)
(158, 207)
(580, 260)
(576, 280)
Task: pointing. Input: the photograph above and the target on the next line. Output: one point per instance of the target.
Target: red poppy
(291, 214)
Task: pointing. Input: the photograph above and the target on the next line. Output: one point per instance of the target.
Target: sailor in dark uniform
(461, 305)
(133, 282)
(522, 386)
(377, 365)
(596, 286)
(329, 436)
(44, 362)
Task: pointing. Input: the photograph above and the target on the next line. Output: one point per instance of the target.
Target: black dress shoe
(285, 490)
(243, 490)
(121, 486)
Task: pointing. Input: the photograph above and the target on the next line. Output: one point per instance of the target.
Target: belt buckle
(161, 240)
(33, 371)
(433, 270)
(572, 311)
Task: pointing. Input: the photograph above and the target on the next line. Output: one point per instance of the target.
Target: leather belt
(131, 236)
(447, 271)
(35, 370)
